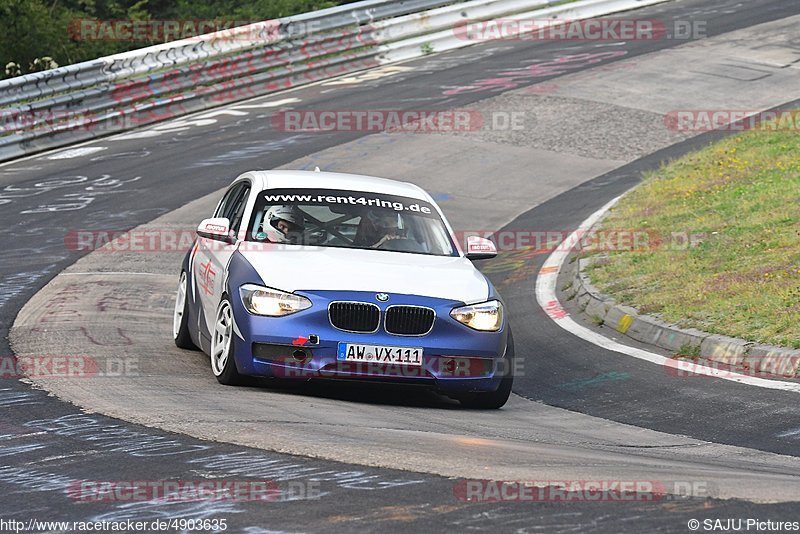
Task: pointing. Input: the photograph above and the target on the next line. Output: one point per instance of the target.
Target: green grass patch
(723, 240)
(688, 351)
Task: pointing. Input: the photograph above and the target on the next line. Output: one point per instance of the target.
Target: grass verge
(722, 233)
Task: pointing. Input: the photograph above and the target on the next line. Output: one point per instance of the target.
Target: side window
(224, 208)
(237, 208)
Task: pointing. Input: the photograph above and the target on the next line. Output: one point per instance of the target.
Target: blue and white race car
(316, 275)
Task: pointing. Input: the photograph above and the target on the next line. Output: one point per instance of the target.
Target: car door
(212, 256)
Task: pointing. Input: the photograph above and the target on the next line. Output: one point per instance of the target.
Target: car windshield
(349, 219)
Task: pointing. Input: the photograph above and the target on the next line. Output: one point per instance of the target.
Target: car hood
(340, 269)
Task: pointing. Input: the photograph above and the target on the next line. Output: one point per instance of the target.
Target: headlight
(271, 302)
(487, 316)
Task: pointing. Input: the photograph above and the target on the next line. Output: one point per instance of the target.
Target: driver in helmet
(378, 227)
(284, 224)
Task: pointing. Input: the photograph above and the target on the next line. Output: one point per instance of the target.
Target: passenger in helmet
(379, 226)
(284, 224)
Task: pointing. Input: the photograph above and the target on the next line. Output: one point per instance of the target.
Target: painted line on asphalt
(76, 152)
(113, 273)
(548, 300)
(790, 433)
(273, 104)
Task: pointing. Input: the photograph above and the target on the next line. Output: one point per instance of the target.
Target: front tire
(223, 363)
(180, 317)
(493, 400)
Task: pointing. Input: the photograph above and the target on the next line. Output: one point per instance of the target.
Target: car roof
(337, 180)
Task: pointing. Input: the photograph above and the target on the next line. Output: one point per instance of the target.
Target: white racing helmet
(291, 215)
(385, 220)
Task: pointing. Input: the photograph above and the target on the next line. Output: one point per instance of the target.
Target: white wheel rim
(221, 339)
(180, 303)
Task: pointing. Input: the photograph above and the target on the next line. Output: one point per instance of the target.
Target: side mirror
(216, 228)
(480, 248)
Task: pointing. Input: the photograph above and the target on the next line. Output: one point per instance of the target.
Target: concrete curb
(736, 354)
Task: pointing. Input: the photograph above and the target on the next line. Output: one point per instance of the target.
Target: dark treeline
(41, 34)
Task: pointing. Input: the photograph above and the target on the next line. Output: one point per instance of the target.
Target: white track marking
(264, 105)
(104, 273)
(143, 134)
(174, 126)
(548, 300)
(790, 433)
(217, 112)
(76, 152)
(368, 76)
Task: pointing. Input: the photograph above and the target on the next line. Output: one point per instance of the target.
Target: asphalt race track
(382, 459)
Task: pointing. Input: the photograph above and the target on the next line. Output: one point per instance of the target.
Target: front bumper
(455, 357)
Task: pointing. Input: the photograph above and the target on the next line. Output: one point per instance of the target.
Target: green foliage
(252, 11)
(723, 228)
(688, 351)
(40, 29)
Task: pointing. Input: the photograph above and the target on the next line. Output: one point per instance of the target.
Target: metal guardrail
(110, 68)
(77, 102)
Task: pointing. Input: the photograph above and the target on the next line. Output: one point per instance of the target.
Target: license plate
(357, 352)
